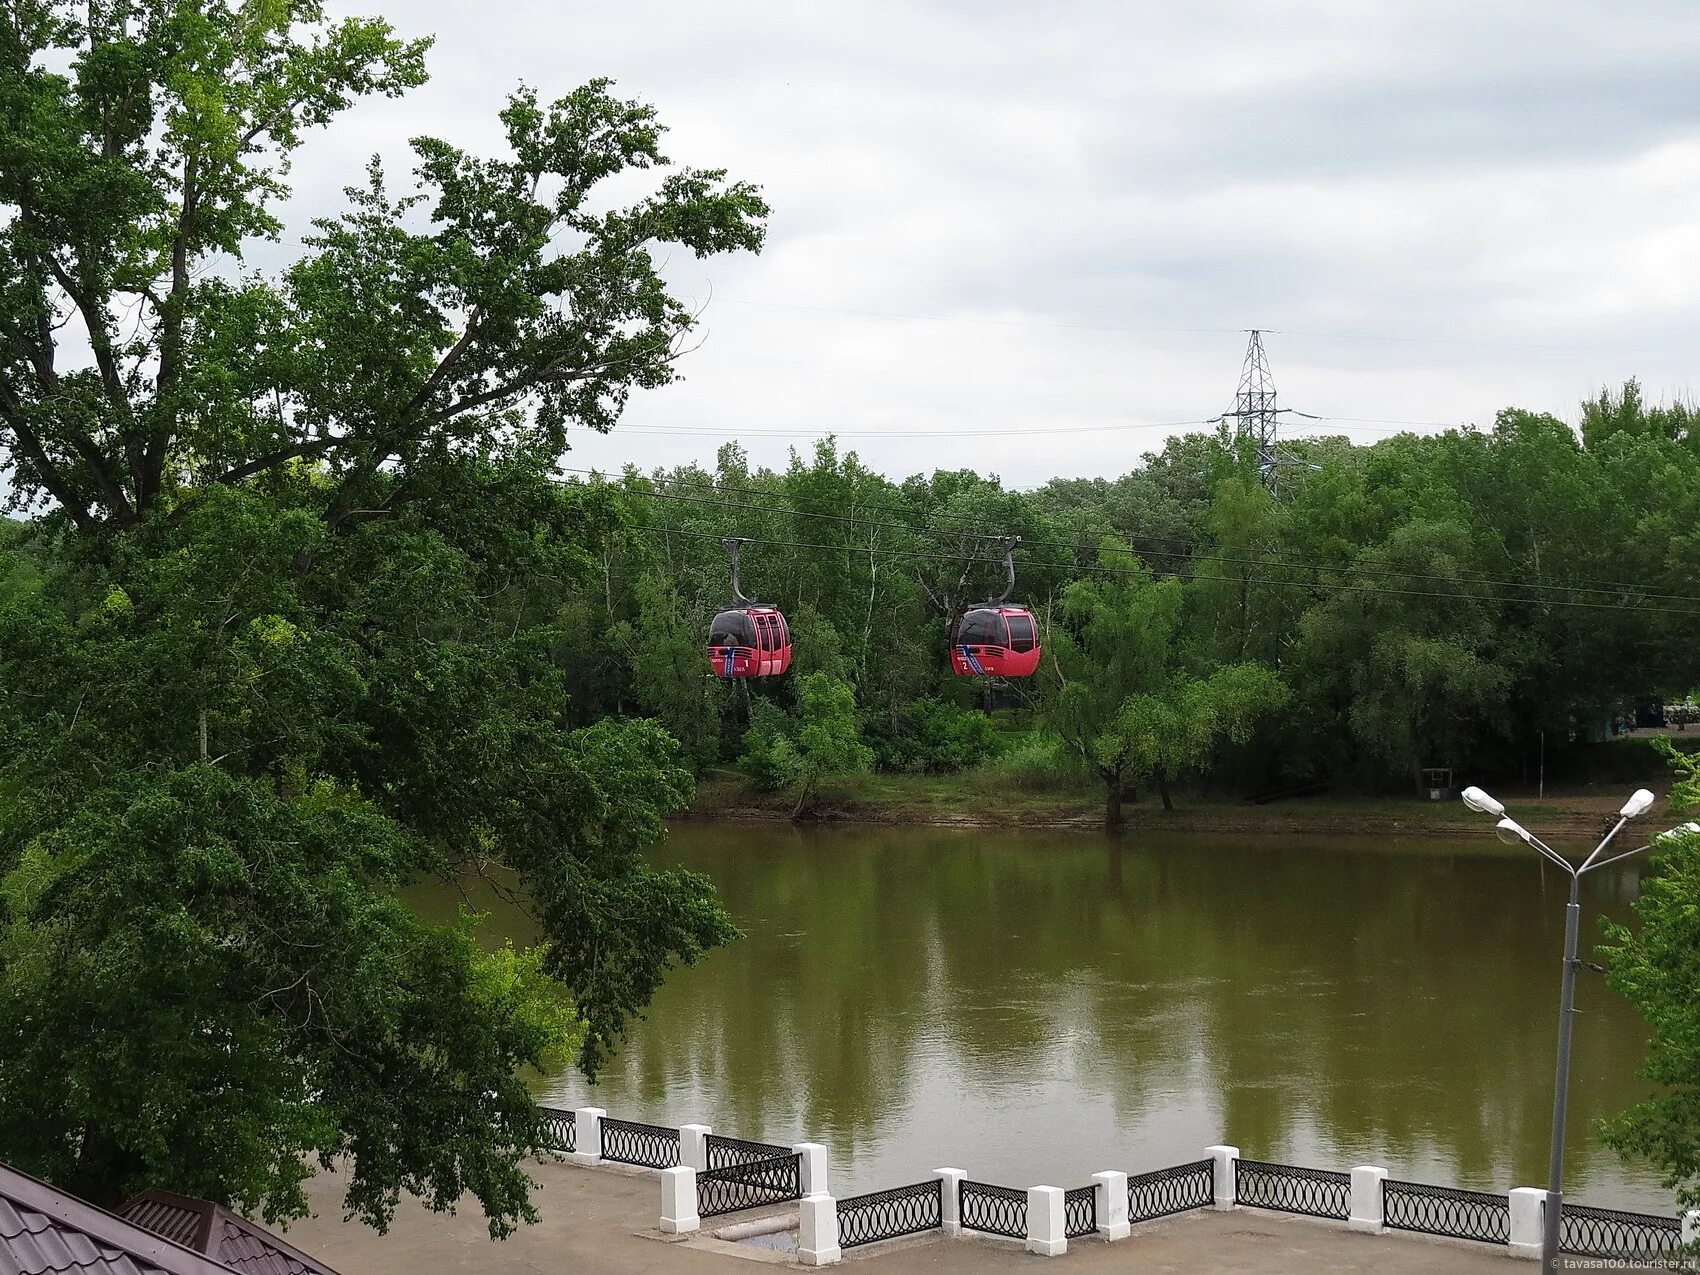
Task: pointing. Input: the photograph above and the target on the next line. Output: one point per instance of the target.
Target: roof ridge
(212, 1213)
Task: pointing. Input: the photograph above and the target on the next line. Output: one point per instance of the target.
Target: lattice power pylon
(1254, 414)
(1256, 417)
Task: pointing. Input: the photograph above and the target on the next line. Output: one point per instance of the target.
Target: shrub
(935, 737)
(770, 758)
(1038, 762)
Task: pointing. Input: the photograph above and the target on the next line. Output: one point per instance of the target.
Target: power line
(1023, 431)
(1118, 571)
(1373, 425)
(1138, 330)
(1613, 588)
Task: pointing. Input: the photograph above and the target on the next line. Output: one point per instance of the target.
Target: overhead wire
(921, 555)
(1374, 425)
(1611, 589)
(1139, 330)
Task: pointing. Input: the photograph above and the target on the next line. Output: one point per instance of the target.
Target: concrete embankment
(602, 1222)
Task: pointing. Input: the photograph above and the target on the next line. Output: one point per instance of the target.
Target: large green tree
(1657, 966)
(302, 600)
(1123, 692)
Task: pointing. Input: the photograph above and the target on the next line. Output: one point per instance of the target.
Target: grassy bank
(1579, 805)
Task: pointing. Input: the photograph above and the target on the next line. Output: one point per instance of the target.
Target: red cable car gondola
(748, 639)
(996, 638)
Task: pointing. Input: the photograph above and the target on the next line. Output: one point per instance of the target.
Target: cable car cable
(1116, 571)
(1275, 558)
(1382, 572)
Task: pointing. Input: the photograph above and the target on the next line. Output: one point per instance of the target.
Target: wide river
(1034, 1008)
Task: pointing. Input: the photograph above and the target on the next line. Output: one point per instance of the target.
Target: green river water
(1036, 1007)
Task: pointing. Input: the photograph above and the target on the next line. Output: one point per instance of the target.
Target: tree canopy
(295, 621)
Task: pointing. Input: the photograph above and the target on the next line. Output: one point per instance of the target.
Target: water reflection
(1035, 1008)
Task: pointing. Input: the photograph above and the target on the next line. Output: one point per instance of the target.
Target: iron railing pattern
(750, 1185)
(1291, 1189)
(1174, 1190)
(995, 1210)
(1444, 1210)
(559, 1129)
(1610, 1233)
(727, 1151)
(1080, 1212)
(651, 1145)
(885, 1215)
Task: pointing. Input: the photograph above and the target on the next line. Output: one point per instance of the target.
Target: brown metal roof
(44, 1231)
(226, 1237)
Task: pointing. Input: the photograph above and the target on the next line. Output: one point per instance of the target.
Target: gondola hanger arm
(735, 546)
(1010, 543)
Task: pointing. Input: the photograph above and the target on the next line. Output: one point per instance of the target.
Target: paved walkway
(603, 1221)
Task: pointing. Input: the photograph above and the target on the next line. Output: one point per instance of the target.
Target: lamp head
(1480, 802)
(1638, 804)
(1511, 832)
(1681, 830)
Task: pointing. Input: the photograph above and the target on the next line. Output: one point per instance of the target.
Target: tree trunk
(802, 801)
(1113, 801)
(1163, 787)
(105, 1174)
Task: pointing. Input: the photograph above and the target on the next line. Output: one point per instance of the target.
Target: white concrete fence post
(1045, 1228)
(1526, 1221)
(950, 1199)
(1368, 1203)
(1691, 1238)
(817, 1234)
(587, 1135)
(679, 1200)
(1111, 1204)
(1224, 1156)
(813, 1166)
(693, 1146)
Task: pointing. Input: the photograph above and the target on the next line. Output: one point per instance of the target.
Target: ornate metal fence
(629, 1142)
(1080, 1211)
(559, 1129)
(1609, 1233)
(995, 1210)
(1290, 1189)
(728, 1151)
(1444, 1210)
(1176, 1190)
(750, 1185)
(885, 1215)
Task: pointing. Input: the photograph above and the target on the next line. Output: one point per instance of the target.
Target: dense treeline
(1467, 599)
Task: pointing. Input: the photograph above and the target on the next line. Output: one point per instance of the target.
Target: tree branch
(52, 477)
(444, 365)
(170, 344)
(100, 342)
(313, 447)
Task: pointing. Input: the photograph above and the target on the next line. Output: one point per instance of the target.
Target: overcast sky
(1041, 220)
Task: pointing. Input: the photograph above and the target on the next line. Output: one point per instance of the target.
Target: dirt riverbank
(1578, 813)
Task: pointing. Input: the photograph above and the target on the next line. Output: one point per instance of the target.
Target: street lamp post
(1514, 833)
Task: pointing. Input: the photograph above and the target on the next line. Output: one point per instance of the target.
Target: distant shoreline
(931, 802)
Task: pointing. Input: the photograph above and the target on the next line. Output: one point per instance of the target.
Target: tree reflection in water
(1037, 1007)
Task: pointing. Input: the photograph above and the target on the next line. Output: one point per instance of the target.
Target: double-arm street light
(1513, 833)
